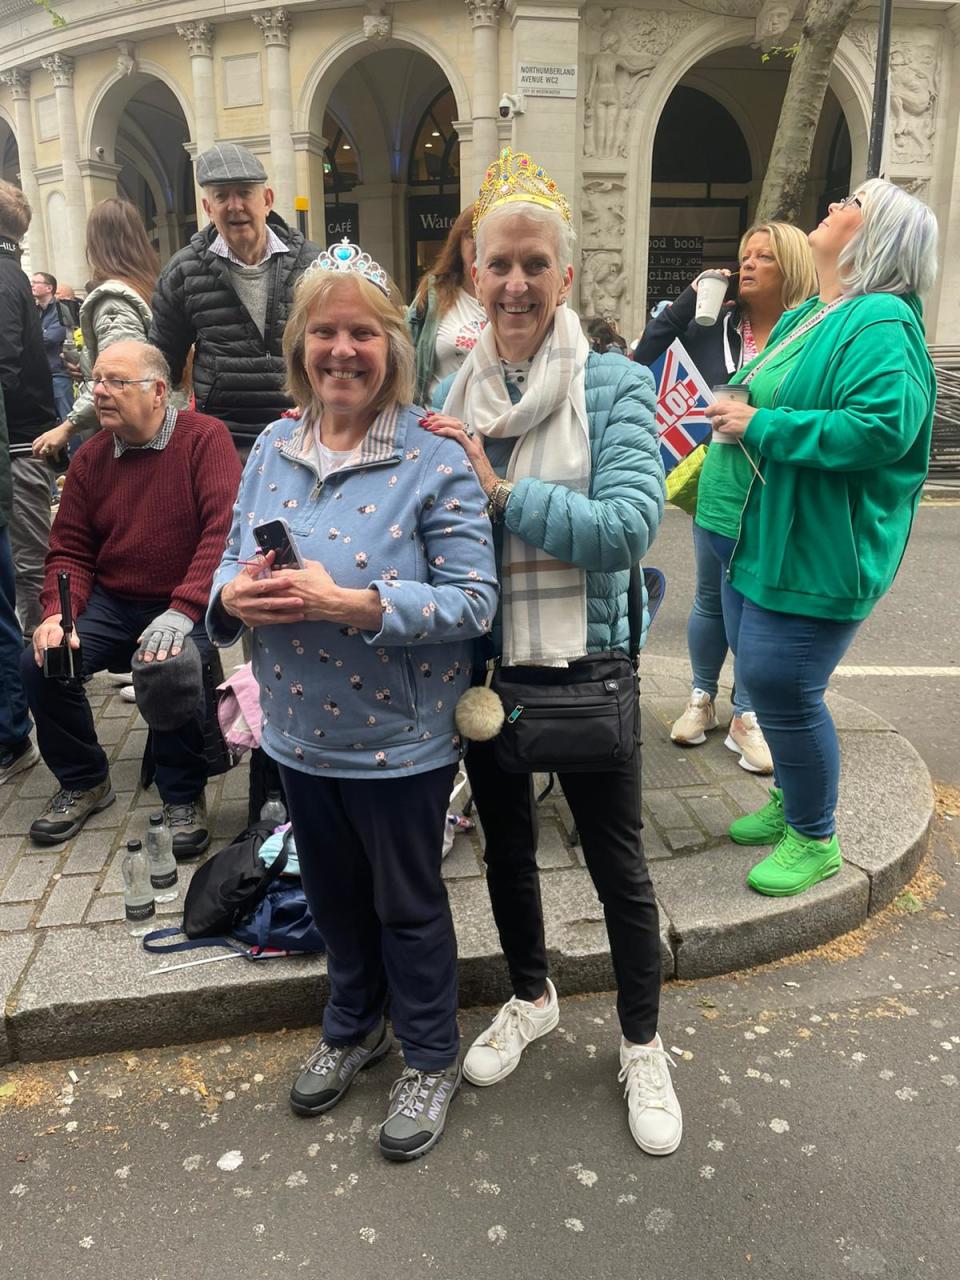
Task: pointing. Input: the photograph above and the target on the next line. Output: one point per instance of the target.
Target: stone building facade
(656, 118)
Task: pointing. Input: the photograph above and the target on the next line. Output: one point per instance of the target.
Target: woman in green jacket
(836, 440)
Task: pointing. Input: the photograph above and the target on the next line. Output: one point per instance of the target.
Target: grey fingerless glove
(166, 633)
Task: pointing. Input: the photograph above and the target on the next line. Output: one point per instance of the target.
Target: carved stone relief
(377, 23)
(126, 58)
(602, 211)
(625, 46)
(772, 21)
(914, 93)
(863, 36)
(919, 187)
(604, 287)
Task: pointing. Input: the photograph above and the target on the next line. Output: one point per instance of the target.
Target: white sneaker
(495, 1053)
(699, 715)
(119, 677)
(656, 1121)
(747, 738)
(128, 693)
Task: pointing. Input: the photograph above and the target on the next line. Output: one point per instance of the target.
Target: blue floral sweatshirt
(408, 518)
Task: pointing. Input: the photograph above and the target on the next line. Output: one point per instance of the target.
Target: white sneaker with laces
(699, 715)
(128, 693)
(746, 737)
(656, 1121)
(496, 1052)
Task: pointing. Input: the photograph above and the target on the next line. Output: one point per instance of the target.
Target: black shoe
(68, 811)
(15, 757)
(329, 1071)
(188, 822)
(417, 1113)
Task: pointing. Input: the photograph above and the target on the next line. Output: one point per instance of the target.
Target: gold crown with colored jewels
(514, 176)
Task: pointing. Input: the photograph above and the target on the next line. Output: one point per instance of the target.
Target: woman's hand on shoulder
(440, 424)
(260, 598)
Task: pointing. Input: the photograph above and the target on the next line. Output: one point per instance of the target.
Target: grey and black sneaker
(17, 756)
(68, 811)
(188, 822)
(417, 1112)
(329, 1071)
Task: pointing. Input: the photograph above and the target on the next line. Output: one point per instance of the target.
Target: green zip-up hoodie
(844, 453)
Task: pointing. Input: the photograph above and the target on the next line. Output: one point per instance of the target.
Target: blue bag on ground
(235, 892)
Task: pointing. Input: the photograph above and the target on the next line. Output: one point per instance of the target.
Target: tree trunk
(785, 183)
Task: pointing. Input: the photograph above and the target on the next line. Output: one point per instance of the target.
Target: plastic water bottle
(273, 809)
(163, 865)
(138, 903)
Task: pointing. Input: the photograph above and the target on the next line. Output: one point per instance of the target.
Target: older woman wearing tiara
(564, 444)
(360, 655)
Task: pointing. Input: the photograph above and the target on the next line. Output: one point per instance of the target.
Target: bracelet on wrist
(498, 498)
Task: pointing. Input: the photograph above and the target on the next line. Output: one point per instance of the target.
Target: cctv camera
(511, 104)
(100, 153)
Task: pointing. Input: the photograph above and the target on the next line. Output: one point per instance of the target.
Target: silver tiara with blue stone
(350, 259)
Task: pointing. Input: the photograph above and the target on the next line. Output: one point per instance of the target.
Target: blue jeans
(787, 661)
(14, 720)
(714, 621)
(108, 629)
(62, 395)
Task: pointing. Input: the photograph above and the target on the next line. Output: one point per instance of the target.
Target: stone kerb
(72, 981)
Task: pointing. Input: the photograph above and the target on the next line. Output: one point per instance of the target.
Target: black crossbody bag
(584, 718)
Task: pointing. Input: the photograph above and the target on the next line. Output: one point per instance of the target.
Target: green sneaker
(797, 863)
(766, 826)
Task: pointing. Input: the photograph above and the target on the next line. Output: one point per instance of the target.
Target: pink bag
(238, 712)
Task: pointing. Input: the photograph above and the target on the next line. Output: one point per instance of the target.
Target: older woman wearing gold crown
(563, 443)
(361, 645)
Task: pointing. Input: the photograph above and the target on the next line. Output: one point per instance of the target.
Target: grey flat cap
(227, 162)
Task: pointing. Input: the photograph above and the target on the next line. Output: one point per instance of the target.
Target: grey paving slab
(17, 915)
(462, 860)
(30, 877)
(884, 809)
(88, 852)
(718, 924)
(38, 783)
(666, 766)
(10, 847)
(713, 814)
(15, 952)
(68, 901)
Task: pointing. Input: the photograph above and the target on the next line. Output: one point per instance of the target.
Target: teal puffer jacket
(614, 527)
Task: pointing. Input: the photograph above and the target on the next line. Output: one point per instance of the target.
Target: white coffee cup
(724, 391)
(711, 291)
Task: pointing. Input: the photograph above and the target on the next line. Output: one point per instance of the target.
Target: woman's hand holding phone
(260, 599)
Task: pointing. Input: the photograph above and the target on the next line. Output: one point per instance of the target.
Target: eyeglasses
(113, 384)
(845, 204)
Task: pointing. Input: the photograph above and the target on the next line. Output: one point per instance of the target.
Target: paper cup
(711, 291)
(724, 391)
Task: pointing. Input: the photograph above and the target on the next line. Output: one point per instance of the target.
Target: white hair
(561, 232)
(895, 250)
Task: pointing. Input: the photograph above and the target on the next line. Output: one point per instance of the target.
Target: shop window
(341, 166)
(435, 157)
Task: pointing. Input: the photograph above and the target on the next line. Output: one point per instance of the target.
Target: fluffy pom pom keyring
(479, 714)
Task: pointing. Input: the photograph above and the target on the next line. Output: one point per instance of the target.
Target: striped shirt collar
(274, 245)
(159, 441)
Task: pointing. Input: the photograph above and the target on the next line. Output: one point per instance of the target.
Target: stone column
(60, 67)
(943, 317)
(274, 25)
(19, 84)
(484, 17)
(199, 38)
(548, 31)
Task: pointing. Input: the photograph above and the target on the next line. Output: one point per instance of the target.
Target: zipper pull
(515, 714)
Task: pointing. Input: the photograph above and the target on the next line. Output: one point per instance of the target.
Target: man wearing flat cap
(142, 523)
(228, 294)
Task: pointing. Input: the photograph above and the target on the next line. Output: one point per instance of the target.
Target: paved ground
(59, 907)
(822, 1122)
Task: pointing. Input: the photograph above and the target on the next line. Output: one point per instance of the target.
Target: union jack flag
(682, 396)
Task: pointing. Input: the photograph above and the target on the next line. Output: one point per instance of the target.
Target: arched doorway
(712, 144)
(138, 135)
(391, 161)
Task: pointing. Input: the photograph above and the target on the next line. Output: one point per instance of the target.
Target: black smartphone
(275, 535)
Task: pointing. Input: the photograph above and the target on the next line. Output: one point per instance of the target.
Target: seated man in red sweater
(143, 520)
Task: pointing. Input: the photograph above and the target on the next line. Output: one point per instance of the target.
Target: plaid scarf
(544, 599)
